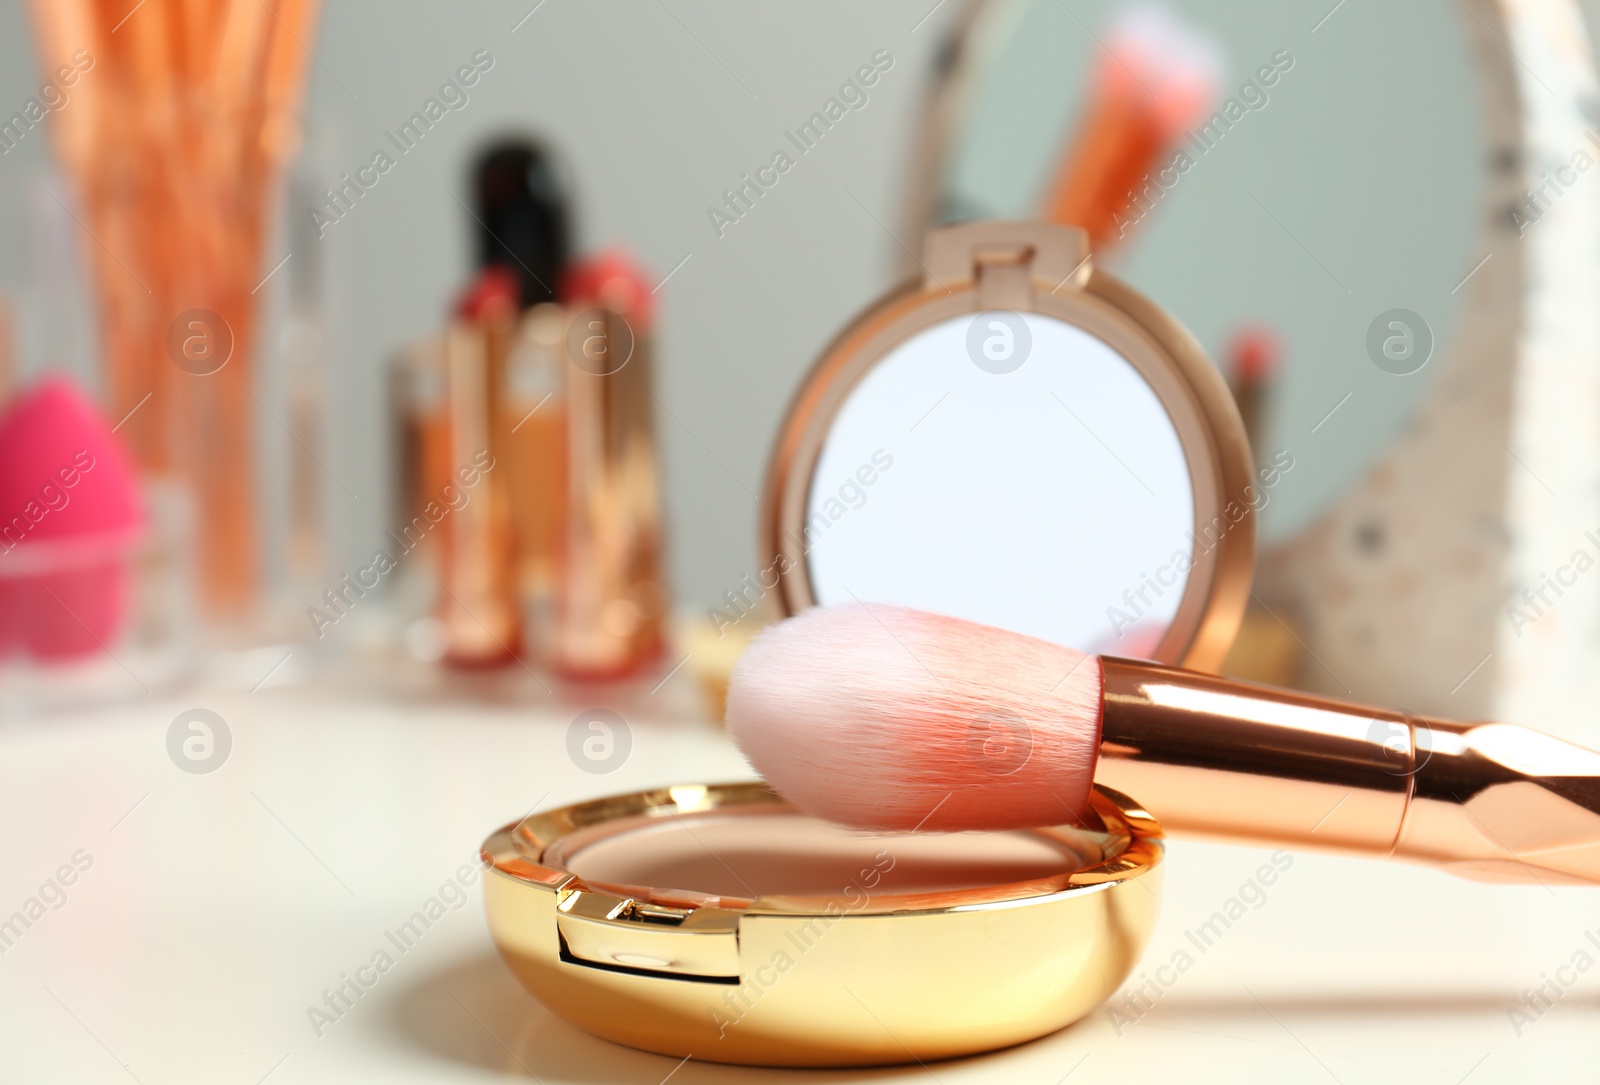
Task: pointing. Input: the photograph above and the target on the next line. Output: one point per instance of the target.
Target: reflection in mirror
(1010, 469)
(1298, 191)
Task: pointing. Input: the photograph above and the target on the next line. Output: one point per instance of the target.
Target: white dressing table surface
(207, 914)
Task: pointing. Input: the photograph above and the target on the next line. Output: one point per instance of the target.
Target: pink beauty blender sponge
(69, 515)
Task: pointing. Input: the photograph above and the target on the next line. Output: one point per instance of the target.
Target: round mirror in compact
(1019, 439)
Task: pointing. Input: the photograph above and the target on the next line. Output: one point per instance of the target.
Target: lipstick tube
(1213, 756)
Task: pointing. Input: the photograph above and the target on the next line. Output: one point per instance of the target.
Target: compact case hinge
(607, 931)
(1007, 260)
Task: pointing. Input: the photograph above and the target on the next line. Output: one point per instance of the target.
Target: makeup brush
(885, 718)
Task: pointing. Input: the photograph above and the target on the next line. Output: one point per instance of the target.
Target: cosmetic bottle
(518, 226)
(419, 434)
(476, 602)
(611, 601)
(522, 227)
(534, 435)
(521, 217)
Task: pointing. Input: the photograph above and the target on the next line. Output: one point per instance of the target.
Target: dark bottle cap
(522, 216)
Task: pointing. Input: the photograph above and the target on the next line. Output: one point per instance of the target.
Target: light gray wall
(658, 107)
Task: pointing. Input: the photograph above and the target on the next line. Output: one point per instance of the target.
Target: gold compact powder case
(808, 945)
(1015, 438)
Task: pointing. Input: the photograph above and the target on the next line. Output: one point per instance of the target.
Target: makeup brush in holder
(182, 116)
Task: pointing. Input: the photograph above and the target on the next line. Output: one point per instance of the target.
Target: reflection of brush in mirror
(1154, 78)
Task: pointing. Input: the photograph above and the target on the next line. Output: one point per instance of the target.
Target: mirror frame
(1038, 268)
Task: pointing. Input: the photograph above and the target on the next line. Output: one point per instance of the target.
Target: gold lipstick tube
(1213, 756)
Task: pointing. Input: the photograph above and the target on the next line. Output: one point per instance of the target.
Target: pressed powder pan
(763, 852)
(718, 922)
(1018, 439)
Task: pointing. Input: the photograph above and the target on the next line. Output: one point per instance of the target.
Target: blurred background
(654, 112)
(271, 250)
(651, 129)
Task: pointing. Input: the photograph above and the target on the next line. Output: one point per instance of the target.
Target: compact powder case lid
(1017, 439)
(1022, 440)
(807, 945)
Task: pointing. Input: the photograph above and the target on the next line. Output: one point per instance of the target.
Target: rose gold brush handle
(1488, 801)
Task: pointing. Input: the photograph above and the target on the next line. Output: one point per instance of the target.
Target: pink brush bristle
(69, 511)
(881, 717)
